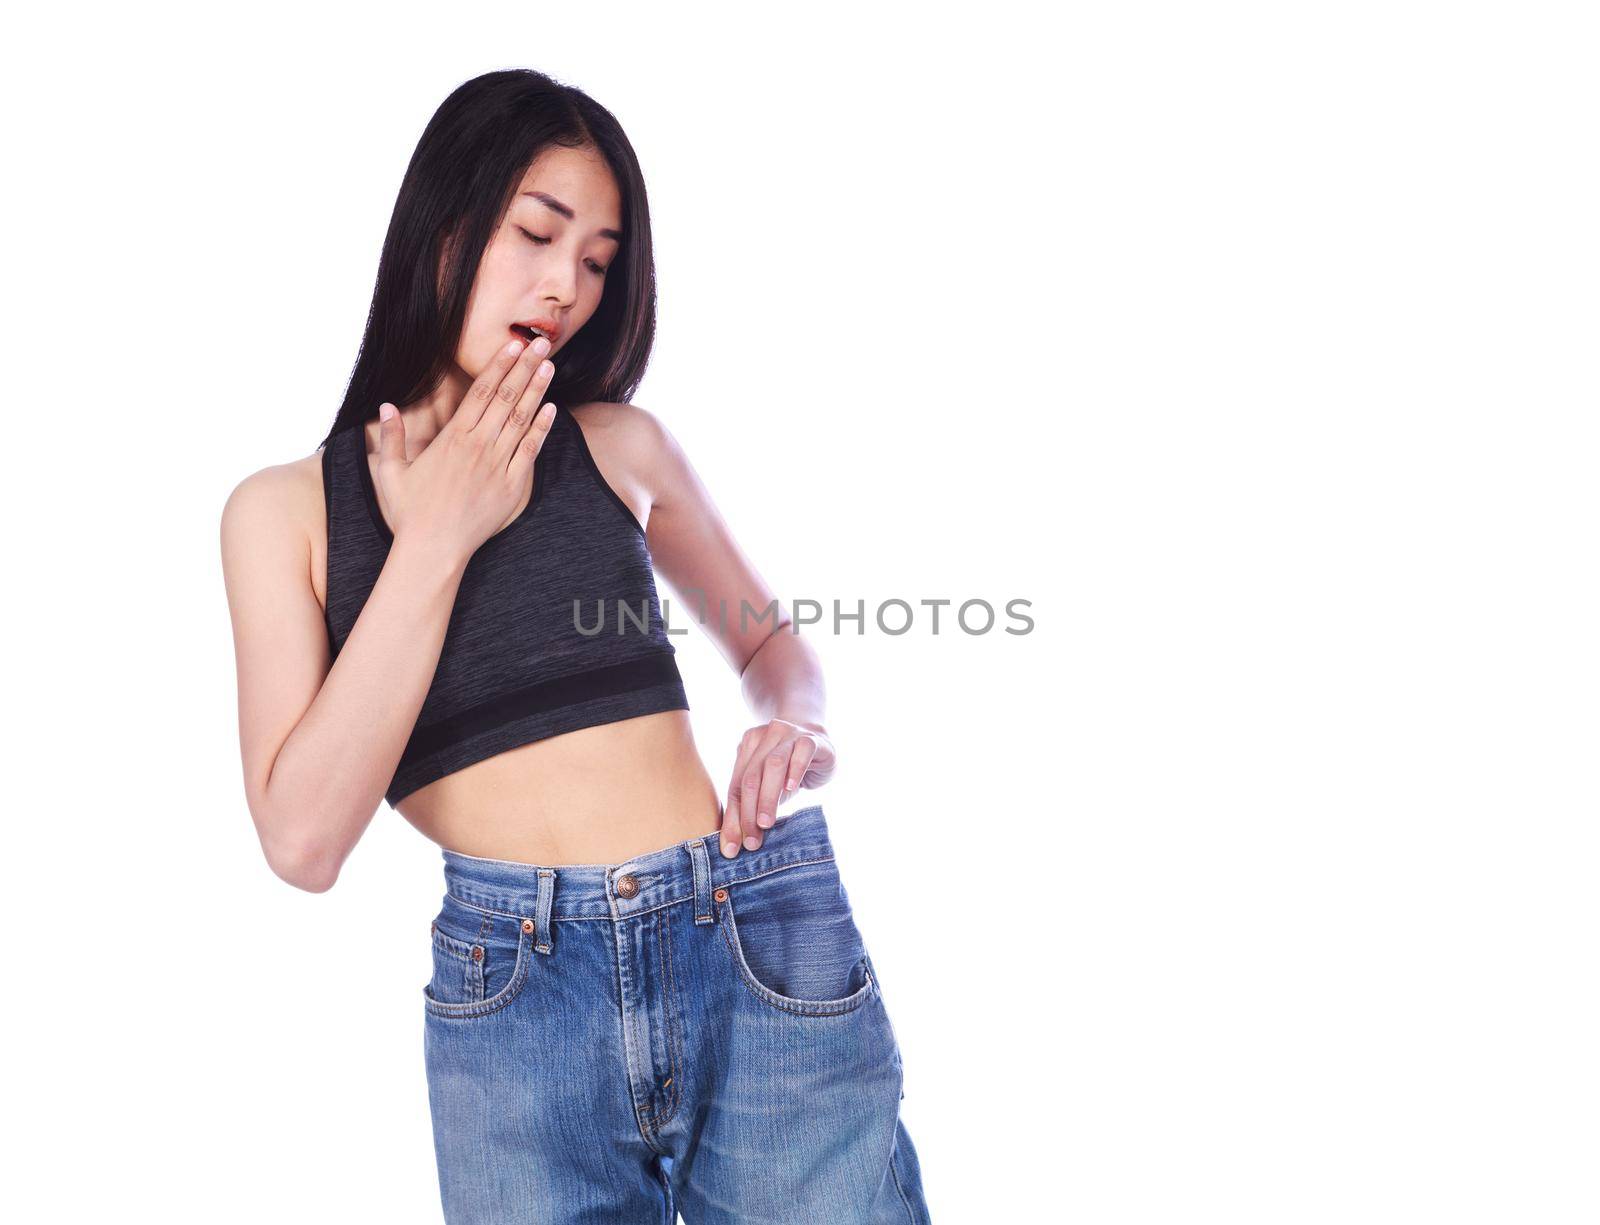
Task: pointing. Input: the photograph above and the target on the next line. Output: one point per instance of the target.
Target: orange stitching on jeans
(672, 901)
(664, 945)
(828, 1008)
(494, 1003)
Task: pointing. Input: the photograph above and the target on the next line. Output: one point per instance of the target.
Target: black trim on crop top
(519, 663)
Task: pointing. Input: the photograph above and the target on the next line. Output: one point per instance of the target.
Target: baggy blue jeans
(677, 1033)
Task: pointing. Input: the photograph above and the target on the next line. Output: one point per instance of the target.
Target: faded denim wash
(677, 1033)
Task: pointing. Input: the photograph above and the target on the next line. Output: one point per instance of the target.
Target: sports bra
(556, 624)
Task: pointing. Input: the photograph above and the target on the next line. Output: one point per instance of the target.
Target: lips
(530, 328)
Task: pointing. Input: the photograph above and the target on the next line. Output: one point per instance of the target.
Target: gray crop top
(519, 661)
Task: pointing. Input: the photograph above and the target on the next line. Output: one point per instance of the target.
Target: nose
(559, 287)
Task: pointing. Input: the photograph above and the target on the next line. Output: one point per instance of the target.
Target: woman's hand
(775, 759)
(471, 478)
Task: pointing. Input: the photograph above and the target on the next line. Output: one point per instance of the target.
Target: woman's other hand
(775, 759)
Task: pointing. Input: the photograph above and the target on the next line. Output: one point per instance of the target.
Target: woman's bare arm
(779, 671)
(321, 745)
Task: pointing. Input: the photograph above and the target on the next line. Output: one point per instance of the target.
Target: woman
(644, 1000)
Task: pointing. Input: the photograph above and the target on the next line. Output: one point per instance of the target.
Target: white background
(1253, 344)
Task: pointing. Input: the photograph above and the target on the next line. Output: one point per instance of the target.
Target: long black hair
(461, 179)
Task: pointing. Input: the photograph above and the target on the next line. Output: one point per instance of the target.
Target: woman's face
(545, 267)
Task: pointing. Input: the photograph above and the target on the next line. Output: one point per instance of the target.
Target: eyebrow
(555, 205)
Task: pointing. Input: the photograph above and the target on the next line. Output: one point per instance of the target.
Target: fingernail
(541, 346)
(752, 843)
(764, 820)
(730, 849)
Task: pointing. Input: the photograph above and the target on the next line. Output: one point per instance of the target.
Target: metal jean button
(627, 886)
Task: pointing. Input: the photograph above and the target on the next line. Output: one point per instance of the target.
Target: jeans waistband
(688, 869)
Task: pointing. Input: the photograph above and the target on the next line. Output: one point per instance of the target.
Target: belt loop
(702, 879)
(542, 925)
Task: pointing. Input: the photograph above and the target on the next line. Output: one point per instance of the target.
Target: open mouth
(530, 334)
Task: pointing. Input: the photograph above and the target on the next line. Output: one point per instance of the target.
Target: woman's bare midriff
(599, 795)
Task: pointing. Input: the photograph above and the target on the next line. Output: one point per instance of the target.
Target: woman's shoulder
(624, 425)
(630, 446)
(276, 509)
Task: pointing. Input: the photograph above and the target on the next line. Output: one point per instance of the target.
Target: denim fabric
(677, 1033)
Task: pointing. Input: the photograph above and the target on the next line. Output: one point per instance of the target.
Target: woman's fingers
(805, 748)
(480, 395)
(734, 825)
(532, 441)
(391, 435)
(731, 832)
(771, 763)
(746, 787)
(523, 412)
(761, 782)
(509, 393)
(774, 777)
(823, 760)
(391, 453)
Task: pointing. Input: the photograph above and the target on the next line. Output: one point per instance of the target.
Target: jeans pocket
(480, 960)
(794, 941)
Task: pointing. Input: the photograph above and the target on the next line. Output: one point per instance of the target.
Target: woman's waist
(597, 795)
(638, 883)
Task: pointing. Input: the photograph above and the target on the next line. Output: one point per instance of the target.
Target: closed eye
(593, 267)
